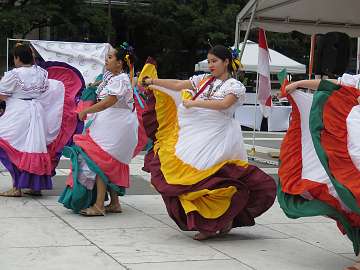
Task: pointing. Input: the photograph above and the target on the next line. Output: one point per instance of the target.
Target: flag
(282, 77)
(264, 85)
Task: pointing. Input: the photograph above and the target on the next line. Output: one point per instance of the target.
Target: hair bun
(125, 46)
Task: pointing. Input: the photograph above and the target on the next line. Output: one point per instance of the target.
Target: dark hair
(24, 53)
(224, 53)
(121, 53)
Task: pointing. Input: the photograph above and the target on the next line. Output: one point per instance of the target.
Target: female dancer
(320, 154)
(100, 157)
(199, 162)
(39, 119)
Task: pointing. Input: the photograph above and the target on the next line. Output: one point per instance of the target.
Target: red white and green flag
(264, 84)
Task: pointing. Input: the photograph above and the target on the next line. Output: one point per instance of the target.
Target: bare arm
(310, 84)
(95, 84)
(3, 97)
(223, 104)
(177, 85)
(98, 107)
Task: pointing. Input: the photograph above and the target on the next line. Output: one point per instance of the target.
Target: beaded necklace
(212, 92)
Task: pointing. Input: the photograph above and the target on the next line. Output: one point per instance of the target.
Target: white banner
(88, 58)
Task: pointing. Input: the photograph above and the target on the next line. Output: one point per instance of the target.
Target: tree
(176, 33)
(23, 16)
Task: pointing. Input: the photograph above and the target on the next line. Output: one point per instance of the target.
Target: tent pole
(247, 31)
(358, 56)
(253, 150)
(109, 22)
(237, 34)
(312, 52)
(7, 54)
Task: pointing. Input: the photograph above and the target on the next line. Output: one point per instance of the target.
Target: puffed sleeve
(118, 86)
(350, 80)
(196, 79)
(8, 83)
(237, 89)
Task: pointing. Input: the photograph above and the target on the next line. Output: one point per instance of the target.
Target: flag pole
(253, 150)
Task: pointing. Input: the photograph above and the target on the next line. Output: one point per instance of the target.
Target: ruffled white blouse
(220, 90)
(24, 82)
(118, 86)
(350, 80)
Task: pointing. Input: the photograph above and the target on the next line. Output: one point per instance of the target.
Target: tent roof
(278, 61)
(306, 16)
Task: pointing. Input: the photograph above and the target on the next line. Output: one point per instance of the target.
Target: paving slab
(142, 245)
(191, 265)
(38, 232)
(130, 218)
(149, 204)
(57, 258)
(324, 235)
(22, 207)
(282, 254)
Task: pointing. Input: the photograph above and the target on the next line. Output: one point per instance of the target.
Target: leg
(114, 206)
(227, 228)
(203, 235)
(98, 208)
(100, 193)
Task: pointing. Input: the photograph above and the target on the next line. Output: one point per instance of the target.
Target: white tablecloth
(277, 121)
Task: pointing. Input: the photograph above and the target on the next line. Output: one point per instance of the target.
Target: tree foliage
(23, 16)
(175, 32)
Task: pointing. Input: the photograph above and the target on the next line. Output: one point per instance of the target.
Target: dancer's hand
(291, 87)
(82, 116)
(358, 99)
(94, 84)
(146, 81)
(188, 103)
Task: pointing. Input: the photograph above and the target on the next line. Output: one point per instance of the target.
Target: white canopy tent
(250, 61)
(306, 16)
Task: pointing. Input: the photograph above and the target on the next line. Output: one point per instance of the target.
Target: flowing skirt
(320, 158)
(105, 149)
(34, 132)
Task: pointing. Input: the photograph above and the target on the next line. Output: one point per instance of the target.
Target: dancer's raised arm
(310, 84)
(172, 84)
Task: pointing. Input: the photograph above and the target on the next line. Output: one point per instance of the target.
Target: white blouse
(118, 86)
(24, 82)
(350, 80)
(220, 89)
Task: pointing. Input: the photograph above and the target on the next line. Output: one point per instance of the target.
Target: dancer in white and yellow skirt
(199, 162)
